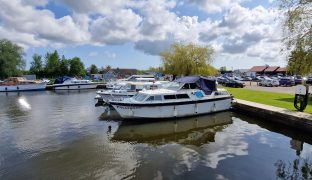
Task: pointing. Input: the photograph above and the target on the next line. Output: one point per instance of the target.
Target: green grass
(269, 98)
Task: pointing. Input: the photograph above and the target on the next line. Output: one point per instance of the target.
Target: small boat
(187, 96)
(21, 84)
(69, 83)
(127, 90)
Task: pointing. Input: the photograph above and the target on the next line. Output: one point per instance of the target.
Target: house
(240, 72)
(256, 70)
(123, 73)
(281, 71)
(271, 70)
(97, 76)
(113, 74)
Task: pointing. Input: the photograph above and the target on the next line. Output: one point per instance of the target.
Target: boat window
(151, 98)
(168, 97)
(158, 98)
(140, 97)
(182, 96)
(173, 85)
(193, 86)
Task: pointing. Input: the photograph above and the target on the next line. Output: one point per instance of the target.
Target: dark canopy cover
(203, 83)
(60, 80)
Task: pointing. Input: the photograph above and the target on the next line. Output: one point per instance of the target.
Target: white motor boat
(21, 84)
(187, 96)
(127, 90)
(133, 78)
(68, 83)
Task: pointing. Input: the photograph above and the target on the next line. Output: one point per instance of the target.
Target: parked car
(238, 78)
(258, 78)
(269, 82)
(221, 80)
(234, 83)
(286, 82)
(298, 80)
(247, 78)
(309, 81)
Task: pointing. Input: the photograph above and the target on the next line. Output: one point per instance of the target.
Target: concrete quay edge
(293, 119)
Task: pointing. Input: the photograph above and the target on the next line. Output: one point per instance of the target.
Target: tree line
(55, 65)
(51, 65)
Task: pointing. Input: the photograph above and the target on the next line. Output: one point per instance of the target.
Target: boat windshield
(128, 87)
(139, 97)
(117, 87)
(173, 85)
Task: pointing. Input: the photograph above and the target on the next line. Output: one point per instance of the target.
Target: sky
(132, 33)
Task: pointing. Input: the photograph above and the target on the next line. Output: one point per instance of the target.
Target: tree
(189, 59)
(36, 66)
(11, 59)
(76, 67)
(222, 69)
(93, 69)
(300, 61)
(298, 33)
(64, 66)
(52, 64)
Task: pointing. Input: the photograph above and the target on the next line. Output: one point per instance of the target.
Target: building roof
(271, 69)
(280, 69)
(258, 68)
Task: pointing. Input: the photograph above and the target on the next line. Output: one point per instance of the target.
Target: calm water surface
(62, 135)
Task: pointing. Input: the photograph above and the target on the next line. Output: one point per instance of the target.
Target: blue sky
(131, 33)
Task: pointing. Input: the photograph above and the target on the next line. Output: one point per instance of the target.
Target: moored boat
(69, 83)
(21, 84)
(187, 96)
(127, 90)
(133, 78)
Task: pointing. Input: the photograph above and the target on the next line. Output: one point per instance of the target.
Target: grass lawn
(269, 98)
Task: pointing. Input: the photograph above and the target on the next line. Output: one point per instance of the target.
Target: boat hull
(172, 110)
(74, 86)
(23, 87)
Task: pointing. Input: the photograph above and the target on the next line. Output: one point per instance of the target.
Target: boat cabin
(13, 81)
(138, 86)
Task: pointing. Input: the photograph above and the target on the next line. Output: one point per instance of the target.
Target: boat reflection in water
(195, 130)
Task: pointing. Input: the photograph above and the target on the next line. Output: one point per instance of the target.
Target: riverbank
(293, 119)
(281, 100)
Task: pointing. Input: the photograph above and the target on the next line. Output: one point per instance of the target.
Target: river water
(62, 135)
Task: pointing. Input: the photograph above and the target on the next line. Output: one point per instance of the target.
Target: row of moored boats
(17, 84)
(142, 96)
(146, 98)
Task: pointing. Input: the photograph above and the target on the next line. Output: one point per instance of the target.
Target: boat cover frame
(203, 83)
(62, 79)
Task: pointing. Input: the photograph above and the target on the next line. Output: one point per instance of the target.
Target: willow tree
(188, 59)
(11, 59)
(298, 33)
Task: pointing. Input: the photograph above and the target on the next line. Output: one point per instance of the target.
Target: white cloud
(117, 28)
(214, 6)
(41, 25)
(151, 25)
(95, 6)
